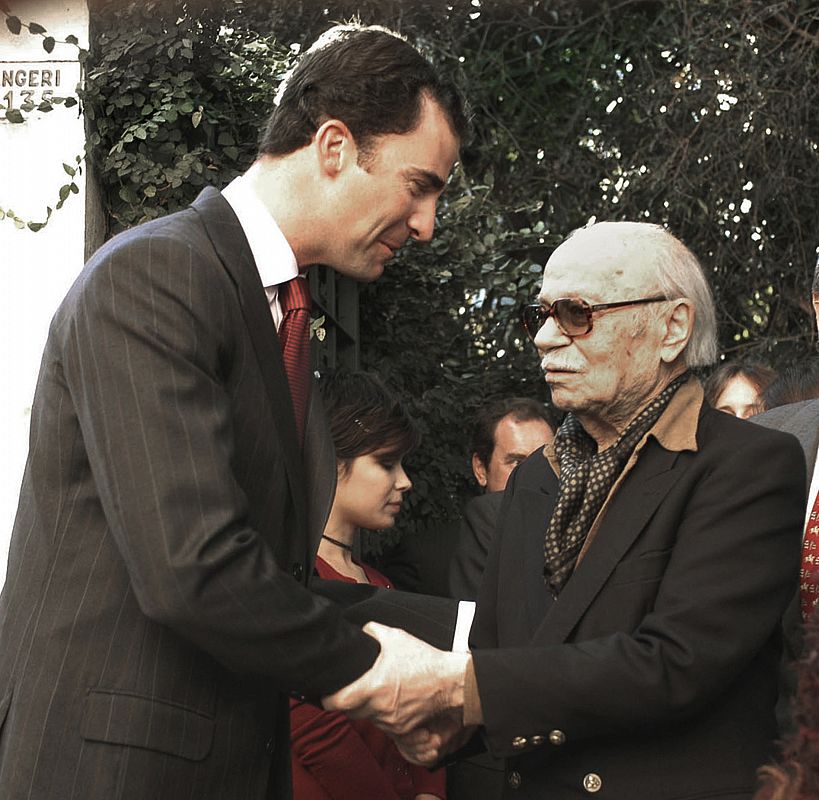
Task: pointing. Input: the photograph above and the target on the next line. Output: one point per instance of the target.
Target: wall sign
(26, 84)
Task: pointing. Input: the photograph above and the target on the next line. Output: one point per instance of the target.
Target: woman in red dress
(334, 757)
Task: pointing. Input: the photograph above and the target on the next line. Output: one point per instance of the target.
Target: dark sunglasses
(572, 315)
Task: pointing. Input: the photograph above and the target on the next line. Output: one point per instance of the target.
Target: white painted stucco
(36, 269)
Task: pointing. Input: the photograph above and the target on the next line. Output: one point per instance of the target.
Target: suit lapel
(231, 246)
(641, 493)
(538, 511)
(320, 465)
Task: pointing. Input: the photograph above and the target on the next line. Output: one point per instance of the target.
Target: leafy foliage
(174, 103)
(698, 114)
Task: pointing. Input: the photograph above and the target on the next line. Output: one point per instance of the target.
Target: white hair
(678, 274)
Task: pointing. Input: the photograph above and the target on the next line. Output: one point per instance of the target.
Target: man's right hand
(409, 683)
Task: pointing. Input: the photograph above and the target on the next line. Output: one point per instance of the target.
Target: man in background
(802, 420)
(504, 434)
(446, 559)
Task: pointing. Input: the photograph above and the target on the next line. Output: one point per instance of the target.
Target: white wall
(36, 269)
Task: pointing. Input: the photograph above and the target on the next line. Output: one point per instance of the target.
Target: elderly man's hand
(438, 737)
(409, 683)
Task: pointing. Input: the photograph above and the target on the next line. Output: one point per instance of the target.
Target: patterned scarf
(586, 478)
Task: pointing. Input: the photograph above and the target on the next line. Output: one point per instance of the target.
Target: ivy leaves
(64, 192)
(16, 25)
(175, 103)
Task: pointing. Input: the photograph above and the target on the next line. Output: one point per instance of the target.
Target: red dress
(338, 758)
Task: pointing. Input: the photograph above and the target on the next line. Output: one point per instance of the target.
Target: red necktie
(809, 573)
(294, 335)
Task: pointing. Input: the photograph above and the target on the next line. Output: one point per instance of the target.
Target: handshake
(414, 692)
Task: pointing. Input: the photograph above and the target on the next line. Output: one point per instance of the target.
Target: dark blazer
(446, 559)
(802, 420)
(653, 675)
(480, 517)
(156, 605)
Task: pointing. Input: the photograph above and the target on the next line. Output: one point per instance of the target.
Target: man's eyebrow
(434, 180)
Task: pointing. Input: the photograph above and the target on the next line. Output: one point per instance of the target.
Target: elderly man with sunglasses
(626, 639)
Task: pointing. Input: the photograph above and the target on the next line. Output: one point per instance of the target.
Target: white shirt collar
(274, 257)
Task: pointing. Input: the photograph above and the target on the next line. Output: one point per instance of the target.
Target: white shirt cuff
(466, 613)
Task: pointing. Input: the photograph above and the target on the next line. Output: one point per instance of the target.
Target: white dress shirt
(272, 253)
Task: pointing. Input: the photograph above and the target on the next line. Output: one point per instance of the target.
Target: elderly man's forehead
(600, 262)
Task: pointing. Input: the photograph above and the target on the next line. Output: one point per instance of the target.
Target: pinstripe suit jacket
(156, 603)
(802, 420)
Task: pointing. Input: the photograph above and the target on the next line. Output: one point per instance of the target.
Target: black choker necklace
(337, 543)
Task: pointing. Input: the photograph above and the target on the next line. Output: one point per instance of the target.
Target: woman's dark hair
(368, 77)
(758, 375)
(365, 416)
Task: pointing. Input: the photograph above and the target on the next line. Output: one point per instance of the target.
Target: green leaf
(225, 139)
(71, 39)
(70, 101)
(74, 188)
(149, 190)
(48, 44)
(13, 24)
(36, 226)
(35, 27)
(65, 190)
(14, 116)
(196, 118)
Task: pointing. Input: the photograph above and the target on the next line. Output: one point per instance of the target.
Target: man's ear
(334, 146)
(479, 470)
(678, 327)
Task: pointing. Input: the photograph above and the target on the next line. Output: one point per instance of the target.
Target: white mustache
(548, 367)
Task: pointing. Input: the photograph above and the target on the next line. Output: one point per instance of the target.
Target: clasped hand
(413, 691)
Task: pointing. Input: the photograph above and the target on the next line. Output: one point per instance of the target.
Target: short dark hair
(794, 384)
(365, 416)
(523, 409)
(760, 376)
(368, 77)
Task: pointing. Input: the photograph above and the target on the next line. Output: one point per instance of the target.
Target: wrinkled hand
(437, 738)
(409, 683)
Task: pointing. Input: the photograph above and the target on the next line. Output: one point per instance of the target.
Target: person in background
(737, 387)
(334, 757)
(503, 434)
(798, 415)
(795, 384)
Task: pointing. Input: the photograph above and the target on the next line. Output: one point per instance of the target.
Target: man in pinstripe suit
(156, 610)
